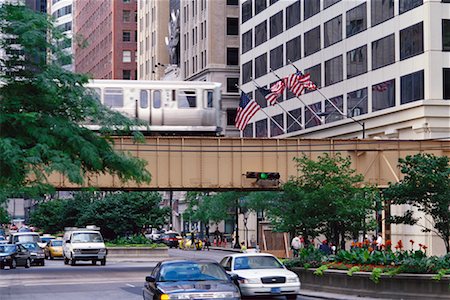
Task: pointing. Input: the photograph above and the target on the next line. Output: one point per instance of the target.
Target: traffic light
(263, 175)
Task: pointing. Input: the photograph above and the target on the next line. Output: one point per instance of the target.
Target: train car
(169, 107)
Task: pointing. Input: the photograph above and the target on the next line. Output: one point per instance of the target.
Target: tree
(426, 186)
(41, 109)
(4, 217)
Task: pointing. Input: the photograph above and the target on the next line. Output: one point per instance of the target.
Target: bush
(136, 240)
(308, 257)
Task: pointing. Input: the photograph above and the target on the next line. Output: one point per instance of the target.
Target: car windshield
(7, 248)
(192, 271)
(27, 238)
(31, 246)
(256, 262)
(87, 237)
(56, 243)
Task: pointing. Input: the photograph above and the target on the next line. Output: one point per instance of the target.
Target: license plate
(276, 290)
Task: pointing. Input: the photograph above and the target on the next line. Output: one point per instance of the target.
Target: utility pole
(236, 244)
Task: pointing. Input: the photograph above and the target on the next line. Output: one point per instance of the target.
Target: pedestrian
(243, 247)
(207, 243)
(379, 241)
(295, 246)
(192, 239)
(325, 248)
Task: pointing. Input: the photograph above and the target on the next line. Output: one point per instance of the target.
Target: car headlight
(8, 257)
(214, 295)
(33, 254)
(76, 250)
(249, 280)
(292, 279)
(102, 250)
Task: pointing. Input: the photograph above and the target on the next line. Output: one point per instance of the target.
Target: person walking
(295, 246)
(243, 247)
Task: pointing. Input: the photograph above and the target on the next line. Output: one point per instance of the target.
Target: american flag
(246, 110)
(298, 82)
(270, 96)
(278, 87)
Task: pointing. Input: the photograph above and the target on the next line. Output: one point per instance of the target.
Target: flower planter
(137, 253)
(401, 286)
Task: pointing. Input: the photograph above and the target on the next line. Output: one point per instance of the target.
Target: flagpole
(282, 108)
(276, 123)
(341, 112)
(314, 113)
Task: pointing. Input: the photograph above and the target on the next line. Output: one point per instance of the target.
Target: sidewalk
(331, 296)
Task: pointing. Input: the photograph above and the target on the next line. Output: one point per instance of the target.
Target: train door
(209, 116)
(157, 112)
(143, 107)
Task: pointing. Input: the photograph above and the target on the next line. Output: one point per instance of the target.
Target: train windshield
(186, 99)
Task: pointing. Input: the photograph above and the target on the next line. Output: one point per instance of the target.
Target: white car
(262, 274)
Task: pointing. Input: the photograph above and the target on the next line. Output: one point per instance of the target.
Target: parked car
(36, 253)
(54, 248)
(171, 239)
(155, 235)
(14, 255)
(189, 279)
(262, 274)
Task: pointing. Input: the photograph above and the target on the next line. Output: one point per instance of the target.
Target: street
(116, 280)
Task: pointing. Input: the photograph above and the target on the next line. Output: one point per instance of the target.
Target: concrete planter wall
(402, 286)
(137, 253)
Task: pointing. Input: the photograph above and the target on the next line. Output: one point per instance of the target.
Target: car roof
(250, 254)
(25, 233)
(177, 261)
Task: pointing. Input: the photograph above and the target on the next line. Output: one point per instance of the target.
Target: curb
(330, 296)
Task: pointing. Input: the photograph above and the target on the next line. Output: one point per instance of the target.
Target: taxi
(54, 248)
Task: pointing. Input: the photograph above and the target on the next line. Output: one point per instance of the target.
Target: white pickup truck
(84, 244)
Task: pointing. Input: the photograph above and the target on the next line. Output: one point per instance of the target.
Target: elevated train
(169, 107)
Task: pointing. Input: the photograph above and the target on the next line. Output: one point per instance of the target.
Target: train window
(157, 99)
(186, 99)
(209, 99)
(144, 99)
(113, 97)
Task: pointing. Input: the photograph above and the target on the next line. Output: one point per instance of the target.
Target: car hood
(6, 254)
(258, 273)
(88, 245)
(196, 286)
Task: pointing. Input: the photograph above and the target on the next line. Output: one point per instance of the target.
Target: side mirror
(234, 277)
(150, 279)
(67, 241)
(227, 269)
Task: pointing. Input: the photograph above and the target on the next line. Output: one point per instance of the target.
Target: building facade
(106, 38)
(61, 11)
(383, 69)
(384, 64)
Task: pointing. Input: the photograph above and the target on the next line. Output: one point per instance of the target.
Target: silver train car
(169, 107)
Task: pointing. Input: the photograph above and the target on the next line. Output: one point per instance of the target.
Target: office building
(61, 11)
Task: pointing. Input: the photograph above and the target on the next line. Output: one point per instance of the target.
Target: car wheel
(291, 297)
(2, 267)
(73, 262)
(28, 263)
(43, 263)
(94, 262)
(13, 264)
(66, 261)
(103, 262)
(51, 257)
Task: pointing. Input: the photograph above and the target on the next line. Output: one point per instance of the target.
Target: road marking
(130, 285)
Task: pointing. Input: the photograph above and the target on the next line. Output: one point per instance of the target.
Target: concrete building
(61, 10)
(106, 38)
(383, 68)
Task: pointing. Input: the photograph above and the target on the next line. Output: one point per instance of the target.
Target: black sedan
(189, 279)
(36, 252)
(13, 256)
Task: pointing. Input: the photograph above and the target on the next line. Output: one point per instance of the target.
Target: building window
(260, 99)
(247, 41)
(260, 5)
(315, 74)
(276, 24)
(312, 7)
(356, 20)
(232, 26)
(292, 124)
(328, 3)
(232, 56)
(383, 95)
(445, 35)
(261, 65)
(331, 113)
(411, 41)
(126, 56)
(333, 31)
(248, 130)
(260, 33)
(276, 57)
(126, 16)
(334, 70)
(231, 116)
(126, 1)
(381, 11)
(273, 1)
(126, 74)
(247, 72)
(357, 62)
(406, 5)
(246, 11)
(357, 103)
(310, 119)
(383, 52)
(312, 41)
(446, 83)
(293, 14)
(411, 87)
(261, 128)
(126, 36)
(293, 49)
(232, 2)
(232, 85)
(274, 129)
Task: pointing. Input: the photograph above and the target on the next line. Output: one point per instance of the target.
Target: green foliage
(135, 240)
(353, 270)
(309, 257)
(42, 106)
(319, 271)
(376, 275)
(117, 214)
(440, 274)
(4, 217)
(426, 186)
